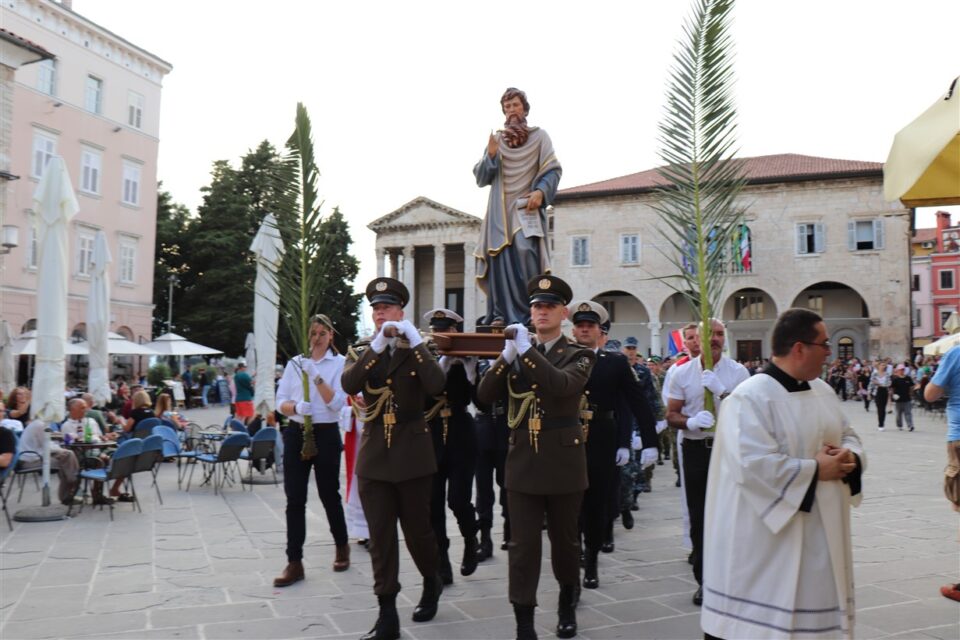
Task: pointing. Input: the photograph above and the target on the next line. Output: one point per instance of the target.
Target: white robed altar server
(786, 468)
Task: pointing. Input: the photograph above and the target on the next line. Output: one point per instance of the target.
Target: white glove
(623, 456)
(304, 408)
(648, 457)
(522, 338)
(710, 381)
(448, 361)
(380, 341)
(703, 420)
(636, 444)
(410, 333)
(661, 426)
(470, 366)
(509, 352)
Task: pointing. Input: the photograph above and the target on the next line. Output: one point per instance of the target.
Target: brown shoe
(342, 561)
(293, 572)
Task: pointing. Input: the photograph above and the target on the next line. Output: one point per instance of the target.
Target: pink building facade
(97, 105)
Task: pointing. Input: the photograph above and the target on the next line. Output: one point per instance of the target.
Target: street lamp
(173, 279)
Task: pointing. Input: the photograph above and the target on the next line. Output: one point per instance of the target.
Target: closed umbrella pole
(98, 322)
(267, 246)
(8, 374)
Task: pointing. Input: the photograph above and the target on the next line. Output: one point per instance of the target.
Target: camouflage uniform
(632, 477)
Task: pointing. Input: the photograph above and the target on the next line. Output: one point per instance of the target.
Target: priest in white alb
(786, 467)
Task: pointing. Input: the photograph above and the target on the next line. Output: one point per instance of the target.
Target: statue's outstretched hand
(534, 200)
(493, 144)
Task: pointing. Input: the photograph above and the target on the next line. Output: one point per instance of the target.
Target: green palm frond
(697, 207)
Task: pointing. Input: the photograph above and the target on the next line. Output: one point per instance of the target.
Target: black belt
(706, 443)
(603, 415)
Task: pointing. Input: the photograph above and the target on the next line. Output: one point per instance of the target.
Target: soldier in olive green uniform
(396, 463)
(546, 470)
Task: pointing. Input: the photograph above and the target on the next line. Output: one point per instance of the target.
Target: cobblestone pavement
(201, 566)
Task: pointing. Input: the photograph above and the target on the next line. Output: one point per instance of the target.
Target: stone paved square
(201, 565)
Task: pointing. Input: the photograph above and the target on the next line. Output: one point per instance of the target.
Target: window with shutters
(865, 235)
(44, 146)
(915, 283)
(33, 247)
(128, 259)
(84, 251)
(629, 248)
(580, 251)
(93, 95)
(135, 110)
(131, 183)
(810, 238)
(917, 316)
(946, 279)
(90, 161)
(815, 304)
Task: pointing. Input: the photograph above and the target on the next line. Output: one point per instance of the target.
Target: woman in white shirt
(323, 366)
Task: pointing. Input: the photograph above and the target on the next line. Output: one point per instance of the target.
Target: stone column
(439, 276)
(380, 266)
(409, 278)
(392, 256)
(469, 288)
(656, 348)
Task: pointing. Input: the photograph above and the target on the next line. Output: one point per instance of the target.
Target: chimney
(943, 223)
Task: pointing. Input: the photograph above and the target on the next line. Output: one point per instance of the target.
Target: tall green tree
(171, 249)
(697, 140)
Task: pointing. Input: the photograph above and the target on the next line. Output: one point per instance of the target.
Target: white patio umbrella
(55, 204)
(25, 344)
(250, 352)
(941, 346)
(171, 344)
(98, 321)
(268, 248)
(8, 374)
(118, 345)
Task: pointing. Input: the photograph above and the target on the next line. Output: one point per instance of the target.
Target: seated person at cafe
(140, 411)
(164, 409)
(8, 447)
(105, 419)
(14, 425)
(74, 426)
(63, 460)
(128, 402)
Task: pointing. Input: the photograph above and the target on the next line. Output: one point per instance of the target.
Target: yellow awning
(923, 168)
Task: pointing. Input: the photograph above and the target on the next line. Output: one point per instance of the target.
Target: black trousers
(601, 498)
(696, 465)
(453, 487)
(526, 545)
(385, 503)
(296, 477)
(881, 400)
(490, 468)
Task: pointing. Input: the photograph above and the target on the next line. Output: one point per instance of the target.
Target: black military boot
(524, 615)
(470, 555)
(627, 518)
(485, 550)
(506, 535)
(426, 609)
(446, 571)
(387, 626)
(590, 579)
(567, 611)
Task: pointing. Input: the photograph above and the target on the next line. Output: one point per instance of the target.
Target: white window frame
(93, 94)
(33, 248)
(629, 251)
(91, 169)
(877, 235)
(86, 237)
(803, 231)
(44, 148)
(130, 185)
(127, 263)
(584, 260)
(917, 316)
(953, 278)
(135, 104)
(47, 77)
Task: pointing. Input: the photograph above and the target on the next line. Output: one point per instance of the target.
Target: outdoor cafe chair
(263, 444)
(151, 455)
(218, 464)
(145, 427)
(172, 449)
(6, 475)
(122, 464)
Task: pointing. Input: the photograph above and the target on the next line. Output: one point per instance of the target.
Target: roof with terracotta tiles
(924, 235)
(10, 36)
(784, 167)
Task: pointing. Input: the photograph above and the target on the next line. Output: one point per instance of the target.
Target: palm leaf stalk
(697, 205)
(299, 278)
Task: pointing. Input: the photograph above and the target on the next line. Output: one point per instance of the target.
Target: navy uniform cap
(548, 288)
(605, 327)
(588, 311)
(442, 318)
(387, 290)
(631, 341)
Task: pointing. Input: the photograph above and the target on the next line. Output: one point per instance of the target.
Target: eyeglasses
(825, 344)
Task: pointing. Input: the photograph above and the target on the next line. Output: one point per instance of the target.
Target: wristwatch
(318, 381)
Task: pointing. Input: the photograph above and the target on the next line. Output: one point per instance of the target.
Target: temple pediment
(422, 212)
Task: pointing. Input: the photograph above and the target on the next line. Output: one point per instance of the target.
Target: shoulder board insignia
(583, 363)
(355, 351)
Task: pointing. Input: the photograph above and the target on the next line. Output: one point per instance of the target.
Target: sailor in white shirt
(323, 366)
(685, 411)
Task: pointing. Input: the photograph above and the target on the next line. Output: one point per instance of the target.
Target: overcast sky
(403, 94)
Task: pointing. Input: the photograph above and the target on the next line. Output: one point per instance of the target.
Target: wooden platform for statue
(485, 344)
